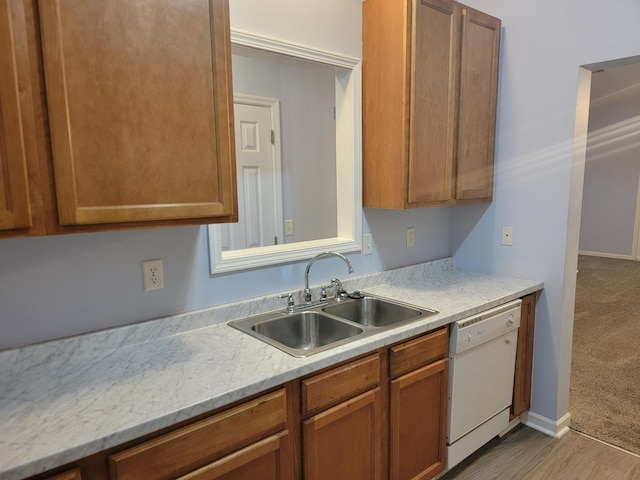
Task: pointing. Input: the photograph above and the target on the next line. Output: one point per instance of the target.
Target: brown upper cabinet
(15, 207)
(131, 113)
(430, 78)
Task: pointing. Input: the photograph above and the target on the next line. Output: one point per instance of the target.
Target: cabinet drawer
(70, 475)
(415, 353)
(195, 445)
(259, 460)
(340, 383)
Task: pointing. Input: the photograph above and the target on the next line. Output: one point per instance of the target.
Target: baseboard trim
(553, 428)
(606, 255)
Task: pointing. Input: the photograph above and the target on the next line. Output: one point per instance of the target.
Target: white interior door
(257, 122)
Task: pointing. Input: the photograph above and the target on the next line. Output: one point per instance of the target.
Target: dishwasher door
(482, 364)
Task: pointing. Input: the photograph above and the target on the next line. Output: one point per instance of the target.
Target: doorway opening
(610, 217)
(604, 363)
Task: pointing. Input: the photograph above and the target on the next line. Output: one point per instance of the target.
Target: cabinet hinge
(273, 137)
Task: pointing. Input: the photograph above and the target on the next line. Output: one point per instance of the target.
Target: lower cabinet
(418, 407)
(524, 357)
(265, 459)
(242, 442)
(68, 475)
(344, 441)
(341, 438)
(404, 400)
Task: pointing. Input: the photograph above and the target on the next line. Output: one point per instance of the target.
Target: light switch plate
(367, 244)
(411, 237)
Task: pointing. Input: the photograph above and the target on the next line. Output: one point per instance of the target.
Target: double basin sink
(329, 324)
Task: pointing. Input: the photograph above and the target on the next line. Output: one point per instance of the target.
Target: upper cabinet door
(140, 109)
(15, 211)
(430, 77)
(477, 111)
(435, 60)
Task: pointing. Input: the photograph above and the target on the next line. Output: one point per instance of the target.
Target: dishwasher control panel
(472, 331)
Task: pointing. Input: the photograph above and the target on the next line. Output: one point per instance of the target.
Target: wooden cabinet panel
(430, 71)
(139, 99)
(338, 384)
(524, 357)
(418, 352)
(434, 86)
(263, 460)
(419, 422)
(70, 475)
(15, 206)
(385, 108)
(477, 110)
(345, 441)
(185, 449)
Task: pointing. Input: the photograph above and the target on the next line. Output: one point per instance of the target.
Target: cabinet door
(338, 384)
(524, 357)
(419, 422)
(264, 460)
(193, 446)
(15, 211)
(140, 109)
(70, 475)
(435, 54)
(477, 110)
(345, 441)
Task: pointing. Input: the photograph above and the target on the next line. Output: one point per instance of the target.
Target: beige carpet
(604, 397)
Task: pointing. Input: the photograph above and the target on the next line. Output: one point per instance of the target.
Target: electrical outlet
(411, 237)
(507, 236)
(367, 244)
(152, 273)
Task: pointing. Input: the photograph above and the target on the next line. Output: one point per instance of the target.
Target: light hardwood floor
(526, 454)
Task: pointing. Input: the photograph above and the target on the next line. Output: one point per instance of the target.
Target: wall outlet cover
(152, 274)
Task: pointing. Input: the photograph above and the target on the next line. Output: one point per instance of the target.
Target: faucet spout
(307, 291)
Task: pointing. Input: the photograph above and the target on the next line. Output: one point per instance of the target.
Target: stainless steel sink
(376, 312)
(299, 334)
(320, 327)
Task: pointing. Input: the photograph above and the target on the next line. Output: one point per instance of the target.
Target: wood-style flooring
(526, 454)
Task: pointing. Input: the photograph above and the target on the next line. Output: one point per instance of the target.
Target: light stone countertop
(66, 399)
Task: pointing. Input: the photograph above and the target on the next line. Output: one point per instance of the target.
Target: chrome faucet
(307, 291)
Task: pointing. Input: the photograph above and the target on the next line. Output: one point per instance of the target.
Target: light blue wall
(543, 45)
(52, 287)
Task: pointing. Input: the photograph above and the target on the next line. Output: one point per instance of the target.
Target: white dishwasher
(482, 351)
